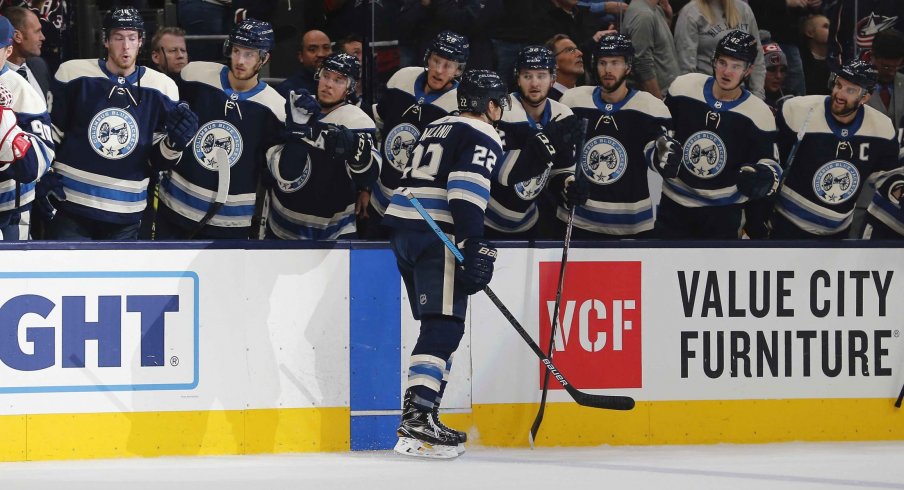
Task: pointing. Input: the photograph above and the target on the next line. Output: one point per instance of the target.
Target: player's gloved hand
(539, 145)
(181, 126)
(302, 109)
(757, 180)
(477, 266)
(574, 193)
(15, 142)
(354, 148)
(895, 190)
(563, 133)
(50, 184)
(667, 156)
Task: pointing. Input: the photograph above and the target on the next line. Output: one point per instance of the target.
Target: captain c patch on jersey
(217, 134)
(400, 144)
(113, 133)
(604, 160)
(704, 154)
(836, 182)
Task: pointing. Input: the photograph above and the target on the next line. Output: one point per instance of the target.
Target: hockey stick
(585, 399)
(221, 158)
(538, 419)
(900, 397)
(793, 152)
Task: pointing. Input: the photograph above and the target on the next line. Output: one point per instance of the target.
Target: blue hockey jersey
(107, 128)
(512, 207)
(718, 138)
(403, 112)
(833, 162)
(450, 172)
(615, 158)
(31, 114)
(314, 196)
(246, 125)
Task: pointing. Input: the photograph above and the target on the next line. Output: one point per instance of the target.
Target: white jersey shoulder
(23, 97)
(796, 109)
(558, 109)
(73, 69)
(578, 97)
(876, 124)
(350, 116)
(152, 78)
(204, 72)
(649, 104)
(270, 98)
(688, 85)
(405, 80)
(755, 109)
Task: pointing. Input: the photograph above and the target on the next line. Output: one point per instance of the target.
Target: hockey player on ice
(626, 130)
(415, 96)
(846, 145)
(450, 172)
(729, 154)
(110, 118)
(538, 137)
(240, 114)
(329, 154)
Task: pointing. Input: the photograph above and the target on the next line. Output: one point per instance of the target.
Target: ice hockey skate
(421, 435)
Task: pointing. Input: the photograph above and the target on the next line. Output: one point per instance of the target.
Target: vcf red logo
(598, 341)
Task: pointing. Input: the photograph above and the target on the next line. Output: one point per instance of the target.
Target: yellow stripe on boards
(152, 434)
(684, 422)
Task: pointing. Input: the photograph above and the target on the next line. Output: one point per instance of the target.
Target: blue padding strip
(375, 330)
(372, 432)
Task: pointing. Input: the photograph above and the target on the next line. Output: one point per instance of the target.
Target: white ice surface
(726, 466)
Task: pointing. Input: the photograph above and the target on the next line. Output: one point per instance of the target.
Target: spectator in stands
(815, 34)
(606, 11)
(168, 51)
(569, 65)
(205, 17)
(647, 23)
(25, 58)
(56, 19)
(315, 47)
(515, 27)
(888, 58)
(856, 22)
(567, 17)
(700, 26)
(782, 18)
(776, 71)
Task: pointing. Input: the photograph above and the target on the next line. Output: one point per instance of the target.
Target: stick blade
(607, 402)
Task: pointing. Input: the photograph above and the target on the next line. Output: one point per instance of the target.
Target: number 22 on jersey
(417, 169)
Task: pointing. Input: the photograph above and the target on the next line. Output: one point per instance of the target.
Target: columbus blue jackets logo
(836, 182)
(400, 144)
(217, 134)
(704, 154)
(604, 160)
(291, 186)
(113, 133)
(530, 189)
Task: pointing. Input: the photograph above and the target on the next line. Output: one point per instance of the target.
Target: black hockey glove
(667, 156)
(574, 193)
(50, 184)
(301, 106)
(349, 146)
(477, 266)
(757, 180)
(181, 126)
(540, 146)
(563, 133)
